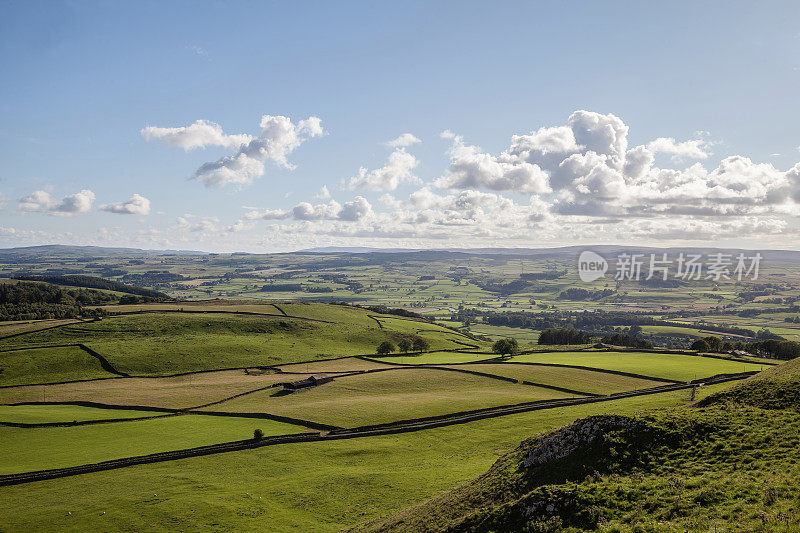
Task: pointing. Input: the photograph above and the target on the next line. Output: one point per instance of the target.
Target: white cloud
(74, 204)
(398, 169)
(604, 134)
(404, 140)
(323, 194)
(197, 224)
(279, 137)
(695, 149)
(200, 134)
(135, 205)
(470, 168)
(356, 209)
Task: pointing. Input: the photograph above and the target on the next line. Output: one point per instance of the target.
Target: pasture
(661, 365)
(388, 396)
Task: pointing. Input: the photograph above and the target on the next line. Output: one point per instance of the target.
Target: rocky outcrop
(567, 440)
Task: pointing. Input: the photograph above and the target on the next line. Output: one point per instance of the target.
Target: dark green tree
(404, 344)
(419, 344)
(385, 348)
(701, 345)
(506, 347)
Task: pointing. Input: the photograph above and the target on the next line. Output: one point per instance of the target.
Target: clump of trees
(414, 343)
(620, 339)
(770, 347)
(578, 294)
(38, 301)
(93, 282)
(506, 347)
(564, 336)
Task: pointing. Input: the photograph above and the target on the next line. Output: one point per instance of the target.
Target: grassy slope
(22, 367)
(687, 469)
(669, 366)
(388, 396)
(303, 487)
(775, 388)
(158, 344)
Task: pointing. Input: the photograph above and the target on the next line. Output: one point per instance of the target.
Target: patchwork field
(396, 394)
(179, 392)
(233, 360)
(297, 487)
(168, 343)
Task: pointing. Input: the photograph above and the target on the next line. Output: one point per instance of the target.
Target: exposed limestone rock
(565, 441)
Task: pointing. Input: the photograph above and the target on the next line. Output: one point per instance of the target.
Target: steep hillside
(775, 388)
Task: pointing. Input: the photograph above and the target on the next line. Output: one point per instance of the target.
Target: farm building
(311, 381)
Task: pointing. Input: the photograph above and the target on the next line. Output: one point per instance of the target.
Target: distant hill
(64, 251)
(566, 252)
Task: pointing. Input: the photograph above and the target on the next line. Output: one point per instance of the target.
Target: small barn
(311, 381)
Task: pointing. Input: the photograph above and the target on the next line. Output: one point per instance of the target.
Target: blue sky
(717, 82)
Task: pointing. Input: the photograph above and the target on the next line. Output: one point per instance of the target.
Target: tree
(635, 330)
(404, 344)
(701, 345)
(385, 348)
(506, 347)
(714, 343)
(258, 434)
(419, 344)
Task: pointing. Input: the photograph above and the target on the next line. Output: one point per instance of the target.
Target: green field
(37, 414)
(27, 449)
(574, 378)
(47, 365)
(381, 397)
(660, 365)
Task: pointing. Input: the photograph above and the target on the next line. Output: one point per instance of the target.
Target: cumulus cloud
(695, 149)
(197, 224)
(135, 205)
(398, 169)
(200, 134)
(279, 137)
(405, 140)
(74, 204)
(354, 210)
(471, 168)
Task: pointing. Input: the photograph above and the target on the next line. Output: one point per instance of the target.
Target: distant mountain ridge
(562, 252)
(78, 251)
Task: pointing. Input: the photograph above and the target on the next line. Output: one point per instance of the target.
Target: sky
(278, 126)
